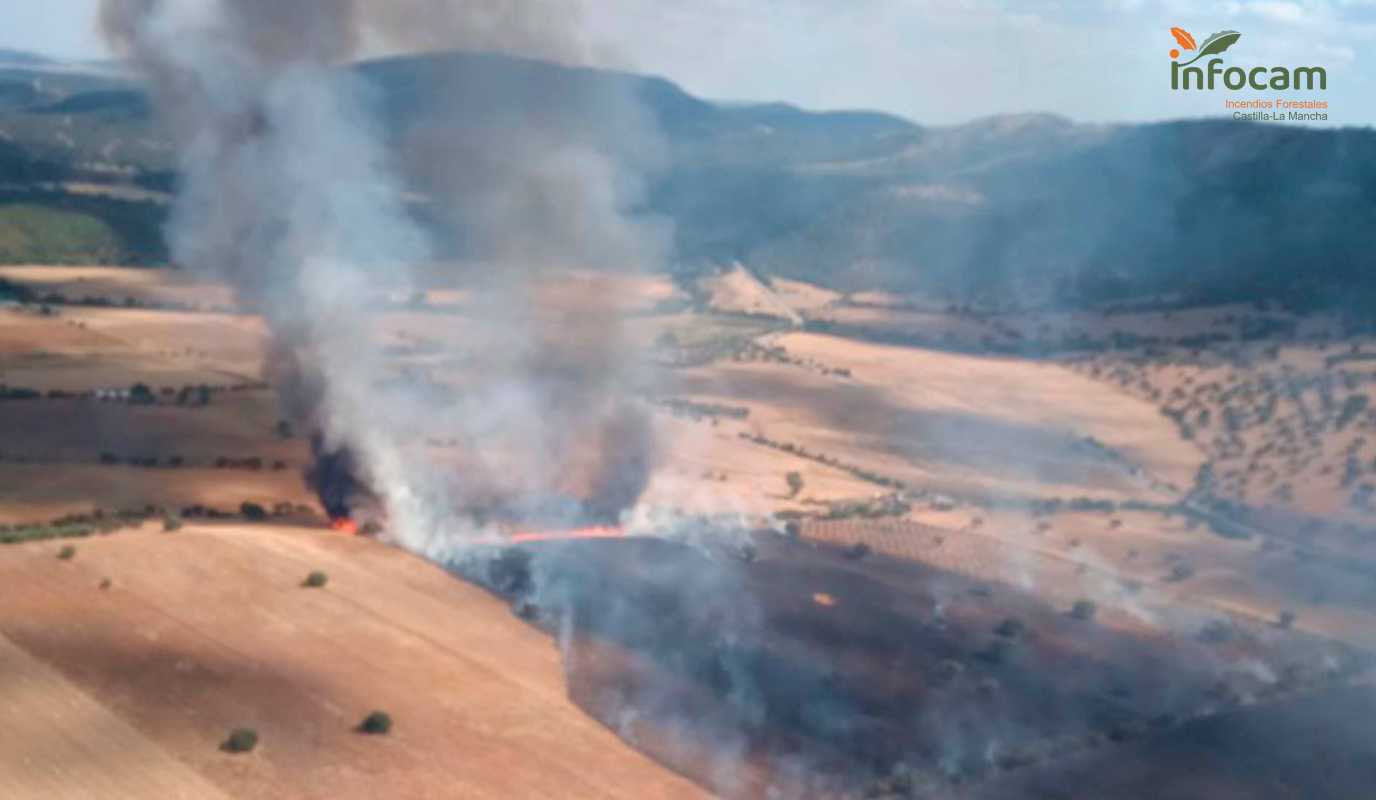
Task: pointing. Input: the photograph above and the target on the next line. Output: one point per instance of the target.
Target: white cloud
(1336, 52)
(1278, 11)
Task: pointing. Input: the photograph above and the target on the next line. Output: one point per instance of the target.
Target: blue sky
(934, 61)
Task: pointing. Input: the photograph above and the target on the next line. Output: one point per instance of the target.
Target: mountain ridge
(1017, 209)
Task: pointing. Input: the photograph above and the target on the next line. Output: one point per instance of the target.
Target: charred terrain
(507, 429)
(926, 614)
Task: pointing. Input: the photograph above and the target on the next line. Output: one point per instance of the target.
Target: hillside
(1090, 561)
(137, 657)
(1013, 210)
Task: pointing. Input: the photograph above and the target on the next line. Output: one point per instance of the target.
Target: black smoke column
(333, 477)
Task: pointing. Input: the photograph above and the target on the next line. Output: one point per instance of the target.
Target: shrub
(1285, 619)
(903, 781)
(996, 653)
(316, 580)
(856, 551)
(795, 483)
(253, 512)
(171, 523)
(376, 723)
(1352, 407)
(141, 395)
(241, 740)
(1216, 632)
(1009, 628)
(1084, 610)
(948, 669)
(67, 553)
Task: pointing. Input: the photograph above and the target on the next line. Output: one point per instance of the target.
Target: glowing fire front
(349, 527)
(345, 526)
(597, 532)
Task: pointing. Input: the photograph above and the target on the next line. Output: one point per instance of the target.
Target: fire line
(345, 526)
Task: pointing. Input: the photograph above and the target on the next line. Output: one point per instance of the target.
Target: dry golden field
(126, 666)
(1087, 473)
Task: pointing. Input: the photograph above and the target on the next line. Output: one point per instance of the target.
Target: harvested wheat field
(707, 468)
(77, 430)
(119, 285)
(963, 424)
(129, 663)
(78, 349)
(35, 493)
(970, 406)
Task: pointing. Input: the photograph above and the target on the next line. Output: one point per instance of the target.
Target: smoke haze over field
(288, 191)
(323, 195)
(329, 31)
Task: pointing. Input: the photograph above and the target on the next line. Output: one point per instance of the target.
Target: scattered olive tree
(376, 723)
(241, 740)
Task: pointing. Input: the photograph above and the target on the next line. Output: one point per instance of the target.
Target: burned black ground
(794, 654)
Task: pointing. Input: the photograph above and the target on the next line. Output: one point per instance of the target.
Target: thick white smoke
(291, 190)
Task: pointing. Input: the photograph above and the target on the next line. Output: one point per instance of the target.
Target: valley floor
(1181, 472)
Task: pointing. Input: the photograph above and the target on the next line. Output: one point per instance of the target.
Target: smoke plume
(293, 190)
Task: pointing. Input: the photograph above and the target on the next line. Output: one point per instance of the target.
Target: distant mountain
(1012, 210)
(12, 57)
(1018, 209)
(484, 87)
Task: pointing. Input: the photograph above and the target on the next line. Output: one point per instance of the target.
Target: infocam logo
(1185, 77)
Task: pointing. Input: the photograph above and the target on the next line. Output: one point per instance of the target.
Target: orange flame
(603, 532)
(345, 526)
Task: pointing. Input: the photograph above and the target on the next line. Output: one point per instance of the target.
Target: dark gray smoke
(291, 190)
(333, 475)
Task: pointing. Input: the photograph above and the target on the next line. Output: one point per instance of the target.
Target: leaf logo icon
(1215, 45)
(1183, 37)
